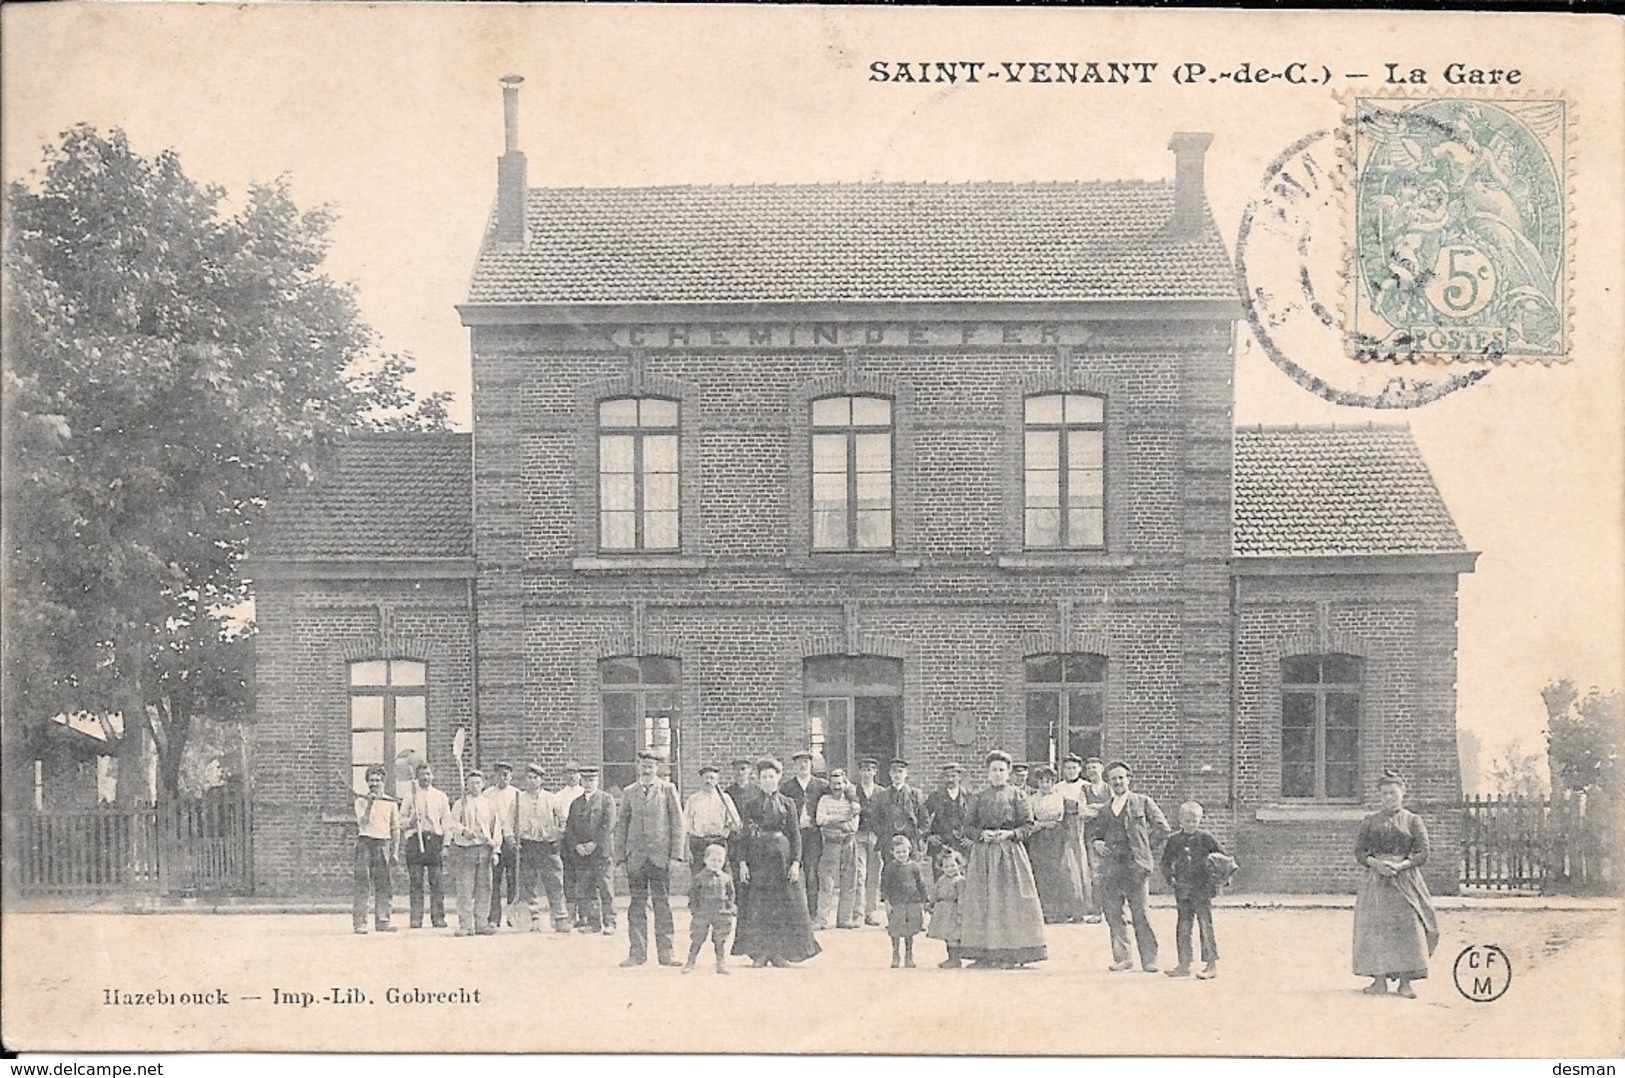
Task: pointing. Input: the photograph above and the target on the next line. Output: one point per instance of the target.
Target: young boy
(903, 890)
(1185, 867)
(711, 908)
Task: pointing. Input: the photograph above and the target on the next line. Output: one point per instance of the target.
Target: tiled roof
(1304, 491)
(1336, 490)
(854, 241)
(407, 495)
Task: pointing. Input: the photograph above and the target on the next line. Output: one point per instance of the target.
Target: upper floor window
(637, 474)
(1320, 726)
(1066, 706)
(640, 698)
(1064, 479)
(388, 717)
(852, 473)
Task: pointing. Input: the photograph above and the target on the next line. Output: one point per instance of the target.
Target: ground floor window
(1066, 706)
(389, 717)
(640, 710)
(1320, 726)
(854, 709)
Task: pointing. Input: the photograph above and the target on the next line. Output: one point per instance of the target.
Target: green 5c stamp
(1460, 240)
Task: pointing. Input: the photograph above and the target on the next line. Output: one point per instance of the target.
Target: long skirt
(1058, 874)
(1000, 918)
(1395, 929)
(1073, 827)
(773, 920)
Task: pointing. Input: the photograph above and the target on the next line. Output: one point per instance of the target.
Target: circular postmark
(1482, 972)
(1290, 273)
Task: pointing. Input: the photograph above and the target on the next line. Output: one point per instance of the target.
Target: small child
(711, 908)
(1185, 867)
(902, 888)
(945, 906)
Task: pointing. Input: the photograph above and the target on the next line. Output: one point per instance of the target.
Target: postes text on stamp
(1460, 235)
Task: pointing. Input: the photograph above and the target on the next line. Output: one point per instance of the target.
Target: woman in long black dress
(774, 927)
(1001, 921)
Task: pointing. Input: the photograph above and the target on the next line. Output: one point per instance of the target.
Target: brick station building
(875, 468)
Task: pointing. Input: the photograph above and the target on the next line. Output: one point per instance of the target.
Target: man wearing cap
(945, 814)
(589, 831)
(865, 790)
(425, 813)
(1125, 834)
(712, 816)
(505, 795)
(804, 789)
(1018, 777)
(900, 810)
(564, 798)
(475, 830)
(649, 844)
(540, 827)
(743, 788)
(377, 845)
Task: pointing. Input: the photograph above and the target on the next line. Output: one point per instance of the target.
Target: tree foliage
(171, 363)
(1516, 772)
(1582, 734)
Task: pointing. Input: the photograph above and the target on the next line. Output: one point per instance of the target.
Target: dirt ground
(1284, 989)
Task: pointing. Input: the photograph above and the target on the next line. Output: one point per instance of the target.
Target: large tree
(170, 363)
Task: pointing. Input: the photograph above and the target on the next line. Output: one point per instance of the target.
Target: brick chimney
(510, 227)
(1190, 194)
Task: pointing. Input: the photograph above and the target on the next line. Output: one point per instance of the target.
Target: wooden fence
(177, 847)
(1531, 844)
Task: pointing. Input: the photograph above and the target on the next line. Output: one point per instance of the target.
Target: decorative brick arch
(587, 740)
(793, 715)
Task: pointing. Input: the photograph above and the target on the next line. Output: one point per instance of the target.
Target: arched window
(1064, 480)
(1320, 726)
(854, 708)
(389, 718)
(1066, 706)
(640, 699)
(637, 474)
(852, 473)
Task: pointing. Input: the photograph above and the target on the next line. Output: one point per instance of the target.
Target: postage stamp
(1460, 236)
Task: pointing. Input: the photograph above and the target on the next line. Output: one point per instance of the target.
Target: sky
(392, 116)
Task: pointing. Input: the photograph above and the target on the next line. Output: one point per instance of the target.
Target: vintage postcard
(606, 529)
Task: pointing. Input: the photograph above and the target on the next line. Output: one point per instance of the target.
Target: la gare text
(1123, 72)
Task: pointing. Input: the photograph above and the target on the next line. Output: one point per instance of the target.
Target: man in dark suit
(1125, 835)
(649, 844)
(899, 809)
(866, 790)
(945, 814)
(804, 790)
(589, 833)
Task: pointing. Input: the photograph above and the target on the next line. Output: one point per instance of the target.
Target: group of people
(782, 858)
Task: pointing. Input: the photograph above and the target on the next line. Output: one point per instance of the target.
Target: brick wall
(1404, 627)
(309, 631)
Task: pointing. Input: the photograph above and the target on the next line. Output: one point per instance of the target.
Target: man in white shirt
(540, 828)
(475, 831)
(506, 797)
(377, 844)
(712, 816)
(425, 810)
(837, 820)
